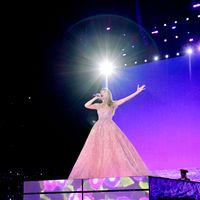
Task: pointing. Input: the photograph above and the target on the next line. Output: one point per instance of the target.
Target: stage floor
(193, 174)
(120, 188)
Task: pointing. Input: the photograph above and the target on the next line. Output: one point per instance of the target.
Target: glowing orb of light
(189, 51)
(106, 67)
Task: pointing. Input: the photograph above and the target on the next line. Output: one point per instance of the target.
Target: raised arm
(121, 101)
(89, 104)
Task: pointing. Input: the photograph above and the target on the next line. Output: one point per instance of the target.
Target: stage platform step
(119, 188)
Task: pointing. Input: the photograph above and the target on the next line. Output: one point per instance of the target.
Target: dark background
(43, 125)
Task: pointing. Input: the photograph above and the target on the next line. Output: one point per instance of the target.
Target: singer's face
(104, 94)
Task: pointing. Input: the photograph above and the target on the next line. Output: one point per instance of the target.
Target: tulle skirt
(107, 152)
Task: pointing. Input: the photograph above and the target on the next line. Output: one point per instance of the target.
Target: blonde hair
(110, 101)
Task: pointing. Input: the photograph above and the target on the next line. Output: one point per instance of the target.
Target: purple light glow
(191, 40)
(108, 28)
(173, 27)
(166, 56)
(162, 122)
(154, 32)
(189, 51)
(196, 5)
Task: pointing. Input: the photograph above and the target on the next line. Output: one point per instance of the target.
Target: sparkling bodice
(105, 113)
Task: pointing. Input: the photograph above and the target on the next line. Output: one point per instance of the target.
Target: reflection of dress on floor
(107, 152)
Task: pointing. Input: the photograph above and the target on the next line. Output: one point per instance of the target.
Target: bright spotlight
(199, 47)
(196, 5)
(178, 54)
(108, 28)
(106, 67)
(166, 56)
(191, 40)
(156, 58)
(189, 51)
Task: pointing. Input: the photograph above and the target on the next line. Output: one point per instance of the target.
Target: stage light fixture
(196, 5)
(156, 58)
(189, 51)
(165, 40)
(177, 54)
(106, 67)
(166, 56)
(135, 62)
(154, 32)
(145, 60)
(176, 36)
(165, 25)
(191, 40)
(187, 19)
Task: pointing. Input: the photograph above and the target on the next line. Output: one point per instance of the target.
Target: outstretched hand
(140, 88)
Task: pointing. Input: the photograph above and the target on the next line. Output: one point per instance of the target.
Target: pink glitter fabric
(107, 152)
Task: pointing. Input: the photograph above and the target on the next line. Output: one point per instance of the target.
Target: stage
(120, 188)
(161, 124)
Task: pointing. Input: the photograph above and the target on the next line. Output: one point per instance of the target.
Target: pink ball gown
(107, 152)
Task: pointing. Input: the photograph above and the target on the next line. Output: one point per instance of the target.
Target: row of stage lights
(107, 67)
(173, 27)
(188, 51)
